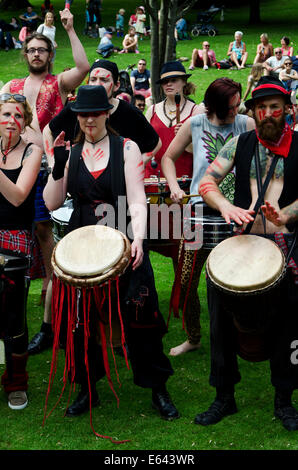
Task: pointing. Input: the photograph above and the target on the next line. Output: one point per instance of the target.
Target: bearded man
(265, 204)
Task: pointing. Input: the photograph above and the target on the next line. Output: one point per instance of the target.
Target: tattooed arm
(210, 192)
(287, 215)
(136, 198)
(16, 193)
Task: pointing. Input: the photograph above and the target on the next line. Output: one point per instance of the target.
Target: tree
(14, 4)
(163, 16)
(254, 11)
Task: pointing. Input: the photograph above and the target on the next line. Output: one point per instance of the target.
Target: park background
(254, 426)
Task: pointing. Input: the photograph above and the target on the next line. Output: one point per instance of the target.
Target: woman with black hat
(167, 116)
(102, 167)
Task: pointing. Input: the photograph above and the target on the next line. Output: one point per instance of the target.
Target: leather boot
(162, 402)
(284, 410)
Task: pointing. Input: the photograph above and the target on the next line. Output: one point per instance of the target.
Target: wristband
(61, 156)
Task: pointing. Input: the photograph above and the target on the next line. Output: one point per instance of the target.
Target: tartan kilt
(21, 240)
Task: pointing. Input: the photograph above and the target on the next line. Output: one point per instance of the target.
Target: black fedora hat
(91, 98)
(172, 69)
(268, 86)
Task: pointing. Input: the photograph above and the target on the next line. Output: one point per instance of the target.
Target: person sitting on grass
(289, 78)
(106, 47)
(203, 57)
(237, 51)
(264, 49)
(130, 41)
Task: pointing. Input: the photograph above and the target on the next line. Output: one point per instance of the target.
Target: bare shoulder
(34, 152)
(251, 124)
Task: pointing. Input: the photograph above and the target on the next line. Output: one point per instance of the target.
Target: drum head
(89, 251)
(63, 214)
(245, 263)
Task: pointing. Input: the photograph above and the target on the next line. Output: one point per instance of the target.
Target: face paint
(262, 114)
(49, 150)
(4, 123)
(277, 113)
(19, 111)
(17, 123)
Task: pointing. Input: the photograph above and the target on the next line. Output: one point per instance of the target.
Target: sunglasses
(18, 98)
(91, 114)
(278, 52)
(288, 63)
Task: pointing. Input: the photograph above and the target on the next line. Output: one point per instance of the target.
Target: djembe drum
(247, 271)
(87, 263)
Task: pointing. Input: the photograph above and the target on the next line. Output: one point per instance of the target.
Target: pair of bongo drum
(247, 272)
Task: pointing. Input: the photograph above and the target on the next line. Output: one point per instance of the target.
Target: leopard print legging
(189, 302)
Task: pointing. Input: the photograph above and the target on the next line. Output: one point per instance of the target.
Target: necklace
(171, 112)
(6, 152)
(96, 142)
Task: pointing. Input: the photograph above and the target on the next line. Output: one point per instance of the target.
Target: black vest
(243, 158)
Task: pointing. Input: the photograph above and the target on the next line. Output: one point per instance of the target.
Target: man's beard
(271, 133)
(38, 70)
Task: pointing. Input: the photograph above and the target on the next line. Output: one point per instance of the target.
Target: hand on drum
(137, 253)
(237, 214)
(272, 214)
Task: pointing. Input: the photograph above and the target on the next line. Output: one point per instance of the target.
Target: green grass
(253, 427)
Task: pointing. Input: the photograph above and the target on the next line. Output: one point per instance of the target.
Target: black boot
(81, 403)
(223, 405)
(161, 401)
(42, 340)
(284, 410)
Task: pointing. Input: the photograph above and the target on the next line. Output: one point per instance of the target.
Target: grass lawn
(253, 427)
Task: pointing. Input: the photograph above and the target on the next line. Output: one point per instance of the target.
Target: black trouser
(279, 338)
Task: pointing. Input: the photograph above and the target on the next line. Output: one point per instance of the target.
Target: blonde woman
(264, 49)
(19, 168)
(49, 30)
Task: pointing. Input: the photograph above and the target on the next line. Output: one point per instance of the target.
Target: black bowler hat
(268, 86)
(91, 98)
(172, 70)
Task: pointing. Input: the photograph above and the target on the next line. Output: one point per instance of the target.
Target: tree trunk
(254, 12)
(163, 16)
(14, 4)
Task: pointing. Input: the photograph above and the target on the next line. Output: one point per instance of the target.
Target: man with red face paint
(267, 210)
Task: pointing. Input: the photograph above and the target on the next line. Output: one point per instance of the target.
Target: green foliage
(254, 426)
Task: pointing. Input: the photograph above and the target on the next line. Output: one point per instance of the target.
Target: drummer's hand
(137, 253)
(177, 127)
(237, 214)
(177, 195)
(271, 214)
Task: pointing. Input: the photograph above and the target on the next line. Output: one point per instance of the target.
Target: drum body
(165, 220)
(87, 261)
(60, 218)
(14, 286)
(213, 229)
(247, 271)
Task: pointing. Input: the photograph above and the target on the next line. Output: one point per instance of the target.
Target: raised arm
(209, 189)
(16, 193)
(71, 79)
(136, 198)
(182, 139)
(54, 193)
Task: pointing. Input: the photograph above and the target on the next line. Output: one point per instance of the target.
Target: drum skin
(90, 255)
